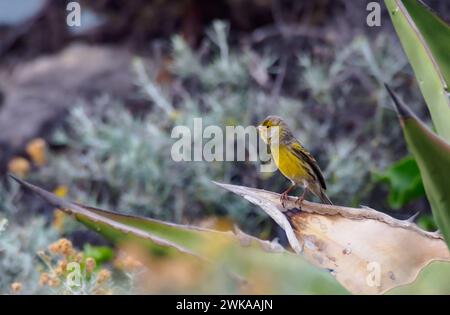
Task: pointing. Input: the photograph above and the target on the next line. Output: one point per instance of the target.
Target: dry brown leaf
(367, 251)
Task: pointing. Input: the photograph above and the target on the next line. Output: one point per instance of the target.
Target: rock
(38, 93)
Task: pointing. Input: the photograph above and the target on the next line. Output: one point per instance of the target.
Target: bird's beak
(262, 132)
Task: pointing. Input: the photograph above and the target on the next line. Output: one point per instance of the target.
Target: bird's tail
(324, 197)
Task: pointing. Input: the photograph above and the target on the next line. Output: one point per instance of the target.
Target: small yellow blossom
(58, 220)
(19, 166)
(36, 149)
(127, 263)
(54, 282)
(103, 276)
(61, 267)
(57, 266)
(79, 258)
(62, 246)
(44, 279)
(61, 191)
(16, 287)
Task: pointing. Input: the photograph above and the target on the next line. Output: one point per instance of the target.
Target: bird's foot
(299, 202)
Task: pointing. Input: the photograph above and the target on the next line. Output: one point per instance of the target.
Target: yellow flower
(58, 220)
(62, 246)
(103, 276)
(79, 257)
(61, 267)
(54, 281)
(61, 191)
(44, 279)
(19, 166)
(127, 263)
(16, 287)
(36, 149)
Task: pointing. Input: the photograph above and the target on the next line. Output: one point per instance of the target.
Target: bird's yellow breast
(289, 164)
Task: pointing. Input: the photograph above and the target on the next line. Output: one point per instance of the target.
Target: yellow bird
(293, 160)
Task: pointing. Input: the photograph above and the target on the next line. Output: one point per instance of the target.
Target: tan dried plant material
(367, 251)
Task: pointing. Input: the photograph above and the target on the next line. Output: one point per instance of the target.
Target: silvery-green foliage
(18, 247)
(128, 159)
(8, 206)
(225, 67)
(372, 63)
(3, 224)
(119, 161)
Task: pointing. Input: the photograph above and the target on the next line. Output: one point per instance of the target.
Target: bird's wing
(303, 154)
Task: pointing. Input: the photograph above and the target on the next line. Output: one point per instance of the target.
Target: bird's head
(272, 128)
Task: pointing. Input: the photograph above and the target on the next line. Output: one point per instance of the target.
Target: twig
(275, 94)
(150, 88)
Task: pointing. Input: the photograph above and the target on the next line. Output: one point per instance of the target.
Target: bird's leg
(284, 195)
(300, 199)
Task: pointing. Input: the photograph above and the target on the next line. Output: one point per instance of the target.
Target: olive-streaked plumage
(292, 159)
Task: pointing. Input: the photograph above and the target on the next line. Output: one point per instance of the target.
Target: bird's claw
(299, 202)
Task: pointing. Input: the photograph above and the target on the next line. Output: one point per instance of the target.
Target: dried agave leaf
(250, 261)
(367, 251)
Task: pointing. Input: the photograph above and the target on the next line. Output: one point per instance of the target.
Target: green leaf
(427, 223)
(429, 281)
(432, 155)
(101, 254)
(426, 40)
(237, 255)
(405, 183)
(436, 33)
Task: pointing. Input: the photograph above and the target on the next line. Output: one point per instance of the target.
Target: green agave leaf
(426, 40)
(429, 281)
(436, 33)
(432, 154)
(239, 254)
(405, 183)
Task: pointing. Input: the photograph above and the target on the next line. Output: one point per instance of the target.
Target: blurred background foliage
(316, 64)
(405, 183)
